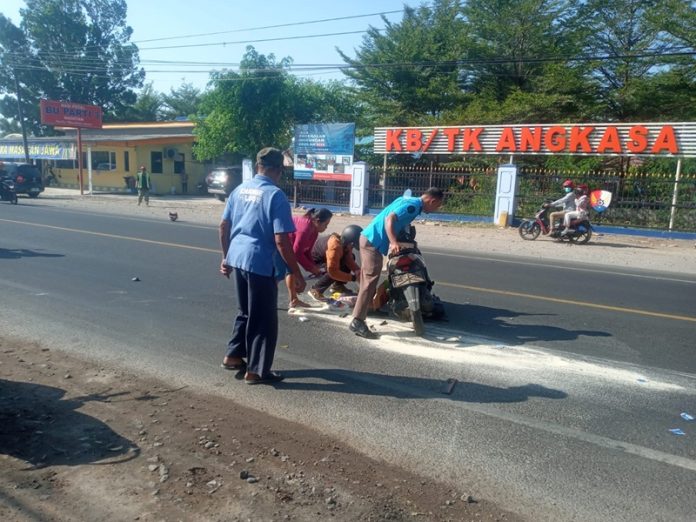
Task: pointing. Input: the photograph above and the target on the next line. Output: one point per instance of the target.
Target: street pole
(675, 195)
(20, 113)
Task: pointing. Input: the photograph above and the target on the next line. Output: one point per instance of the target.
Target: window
(179, 163)
(126, 161)
(156, 162)
(101, 160)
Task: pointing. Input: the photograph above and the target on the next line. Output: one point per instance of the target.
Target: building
(116, 151)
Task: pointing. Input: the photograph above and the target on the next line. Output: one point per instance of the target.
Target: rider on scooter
(567, 202)
(580, 212)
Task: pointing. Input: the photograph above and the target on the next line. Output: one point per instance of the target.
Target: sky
(172, 22)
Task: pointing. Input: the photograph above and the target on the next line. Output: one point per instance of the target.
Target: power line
(289, 24)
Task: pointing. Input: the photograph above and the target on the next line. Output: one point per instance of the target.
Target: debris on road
(449, 388)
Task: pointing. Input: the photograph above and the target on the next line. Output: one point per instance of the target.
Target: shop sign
(626, 139)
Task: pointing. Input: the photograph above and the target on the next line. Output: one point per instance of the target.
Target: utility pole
(20, 112)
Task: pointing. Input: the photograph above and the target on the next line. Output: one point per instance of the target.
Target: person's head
(432, 199)
(142, 168)
(581, 189)
(568, 186)
(351, 236)
(321, 217)
(269, 162)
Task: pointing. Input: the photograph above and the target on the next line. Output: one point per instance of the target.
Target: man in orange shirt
(336, 253)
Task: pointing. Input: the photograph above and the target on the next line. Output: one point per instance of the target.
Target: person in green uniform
(143, 184)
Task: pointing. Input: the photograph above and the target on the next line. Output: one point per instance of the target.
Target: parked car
(27, 178)
(221, 181)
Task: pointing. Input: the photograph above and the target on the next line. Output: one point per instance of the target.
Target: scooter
(580, 230)
(7, 191)
(409, 288)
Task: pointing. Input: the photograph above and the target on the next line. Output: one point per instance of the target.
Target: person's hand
(225, 270)
(357, 274)
(300, 283)
(394, 248)
(316, 272)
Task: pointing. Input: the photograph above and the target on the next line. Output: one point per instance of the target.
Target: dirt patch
(82, 441)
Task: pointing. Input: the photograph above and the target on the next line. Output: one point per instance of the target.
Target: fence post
(675, 194)
(384, 179)
(294, 193)
(430, 181)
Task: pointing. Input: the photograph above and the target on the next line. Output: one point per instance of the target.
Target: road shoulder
(85, 441)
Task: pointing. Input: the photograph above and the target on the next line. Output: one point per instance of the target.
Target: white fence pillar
(359, 184)
(506, 194)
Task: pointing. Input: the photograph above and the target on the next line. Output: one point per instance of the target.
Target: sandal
(240, 368)
(270, 378)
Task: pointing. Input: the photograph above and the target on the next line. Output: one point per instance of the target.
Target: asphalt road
(569, 378)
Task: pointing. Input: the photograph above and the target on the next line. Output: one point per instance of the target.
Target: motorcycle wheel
(581, 238)
(529, 230)
(417, 321)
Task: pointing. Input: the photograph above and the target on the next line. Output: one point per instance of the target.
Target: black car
(223, 180)
(27, 178)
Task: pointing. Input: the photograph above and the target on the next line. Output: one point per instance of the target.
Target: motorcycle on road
(580, 230)
(408, 285)
(7, 191)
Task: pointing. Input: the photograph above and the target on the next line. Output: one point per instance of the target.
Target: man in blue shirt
(255, 228)
(380, 238)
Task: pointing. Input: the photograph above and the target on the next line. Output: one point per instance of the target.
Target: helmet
(568, 183)
(351, 234)
(585, 189)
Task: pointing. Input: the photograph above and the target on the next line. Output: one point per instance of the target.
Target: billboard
(52, 150)
(587, 139)
(324, 151)
(70, 114)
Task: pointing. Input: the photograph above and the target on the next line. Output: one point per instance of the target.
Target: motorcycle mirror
(408, 193)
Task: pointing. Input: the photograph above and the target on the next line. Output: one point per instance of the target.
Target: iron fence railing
(639, 199)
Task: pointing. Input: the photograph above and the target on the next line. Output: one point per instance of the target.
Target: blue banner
(325, 138)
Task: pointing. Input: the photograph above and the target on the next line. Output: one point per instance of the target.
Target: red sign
(626, 139)
(70, 114)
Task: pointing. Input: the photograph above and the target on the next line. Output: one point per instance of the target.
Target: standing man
(256, 226)
(380, 238)
(143, 184)
(184, 182)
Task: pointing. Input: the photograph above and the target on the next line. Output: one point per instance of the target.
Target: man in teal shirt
(380, 238)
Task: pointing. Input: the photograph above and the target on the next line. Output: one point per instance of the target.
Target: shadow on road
(16, 253)
(403, 387)
(38, 426)
(495, 323)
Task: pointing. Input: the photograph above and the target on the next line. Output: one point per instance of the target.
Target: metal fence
(639, 199)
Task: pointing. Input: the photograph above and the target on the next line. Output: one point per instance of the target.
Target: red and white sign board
(69, 114)
(587, 139)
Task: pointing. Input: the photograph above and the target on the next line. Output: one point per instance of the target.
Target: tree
(182, 102)
(147, 106)
(323, 102)
(76, 50)
(246, 111)
(629, 47)
(409, 74)
(511, 43)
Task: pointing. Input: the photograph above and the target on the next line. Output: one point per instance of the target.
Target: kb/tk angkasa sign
(589, 139)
